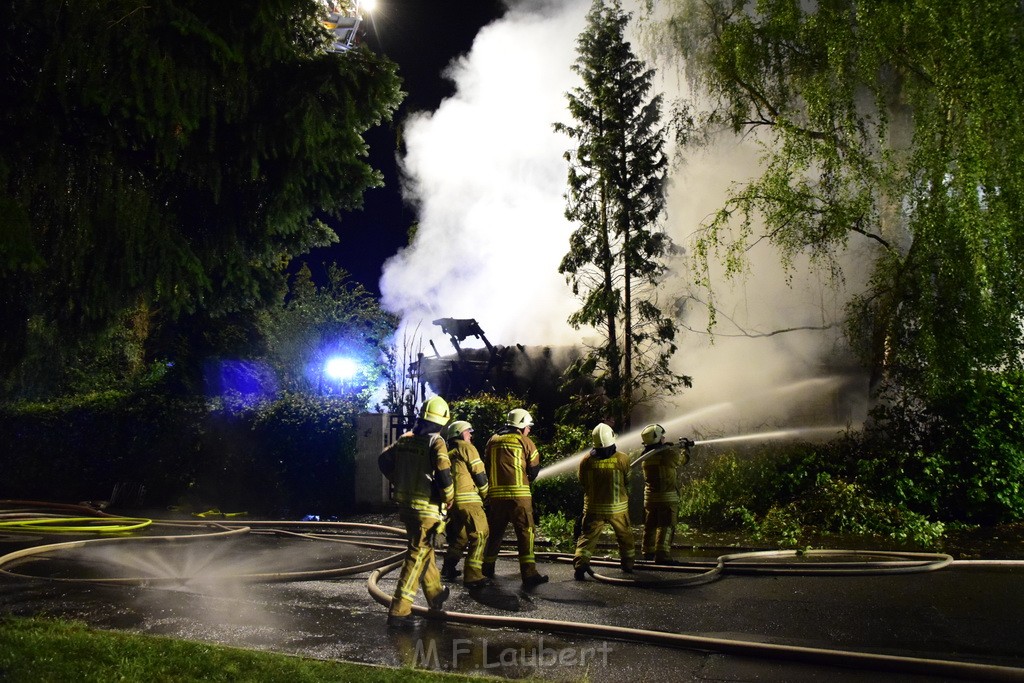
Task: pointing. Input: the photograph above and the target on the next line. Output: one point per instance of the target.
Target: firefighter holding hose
(467, 522)
(661, 462)
(604, 475)
(418, 467)
(512, 464)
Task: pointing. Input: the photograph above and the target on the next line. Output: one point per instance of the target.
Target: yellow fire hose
(76, 525)
(738, 563)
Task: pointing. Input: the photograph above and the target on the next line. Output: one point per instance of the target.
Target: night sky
(422, 38)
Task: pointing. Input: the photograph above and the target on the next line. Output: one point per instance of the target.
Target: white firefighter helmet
(435, 410)
(455, 429)
(604, 436)
(652, 434)
(519, 418)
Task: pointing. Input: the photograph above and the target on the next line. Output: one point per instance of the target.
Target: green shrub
(487, 413)
(559, 529)
(558, 494)
(290, 456)
(789, 494)
(78, 448)
(957, 456)
(780, 525)
(569, 440)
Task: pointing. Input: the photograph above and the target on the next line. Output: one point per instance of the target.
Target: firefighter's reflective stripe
(507, 477)
(418, 566)
(465, 460)
(661, 469)
(425, 508)
(469, 498)
(604, 484)
(528, 557)
(668, 497)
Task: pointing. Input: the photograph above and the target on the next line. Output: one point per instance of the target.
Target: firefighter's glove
(686, 444)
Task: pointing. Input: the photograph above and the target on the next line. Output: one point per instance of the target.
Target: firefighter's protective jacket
(512, 463)
(420, 471)
(605, 481)
(661, 473)
(471, 483)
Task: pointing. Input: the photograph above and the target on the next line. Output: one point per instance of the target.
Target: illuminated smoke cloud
(488, 175)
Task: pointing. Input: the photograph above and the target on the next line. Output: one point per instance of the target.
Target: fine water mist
(199, 581)
(212, 562)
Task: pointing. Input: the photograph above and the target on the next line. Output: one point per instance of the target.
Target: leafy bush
(297, 451)
(569, 440)
(292, 455)
(76, 449)
(487, 413)
(559, 529)
(558, 494)
(789, 494)
(840, 507)
(958, 457)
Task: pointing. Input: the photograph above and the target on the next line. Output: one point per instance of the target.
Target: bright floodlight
(368, 5)
(341, 368)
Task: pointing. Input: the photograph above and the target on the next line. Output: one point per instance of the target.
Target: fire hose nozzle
(686, 444)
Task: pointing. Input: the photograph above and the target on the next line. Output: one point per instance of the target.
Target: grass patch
(46, 650)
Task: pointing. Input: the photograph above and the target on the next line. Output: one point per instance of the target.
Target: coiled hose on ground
(387, 538)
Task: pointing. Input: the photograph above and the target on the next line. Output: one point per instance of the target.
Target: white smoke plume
(488, 175)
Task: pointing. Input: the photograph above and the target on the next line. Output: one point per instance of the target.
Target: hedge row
(288, 457)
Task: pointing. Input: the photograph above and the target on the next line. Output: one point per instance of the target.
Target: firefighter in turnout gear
(512, 464)
(604, 475)
(467, 522)
(418, 467)
(661, 463)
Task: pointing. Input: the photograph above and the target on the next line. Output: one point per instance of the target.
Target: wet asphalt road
(970, 614)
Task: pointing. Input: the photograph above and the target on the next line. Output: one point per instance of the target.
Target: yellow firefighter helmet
(604, 436)
(652, 434)
(455, 429)
(435, 410)
(519, 418)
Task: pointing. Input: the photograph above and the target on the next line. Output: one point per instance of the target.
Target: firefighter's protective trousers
(467, 526)
(659, 529)
(593, 525)
(419, 561)
(519, 512)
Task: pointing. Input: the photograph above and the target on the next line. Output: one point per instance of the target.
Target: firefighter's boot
(531, 580)
(437, 602)
(448, 570)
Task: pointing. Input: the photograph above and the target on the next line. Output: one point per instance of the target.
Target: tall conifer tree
(616, 198)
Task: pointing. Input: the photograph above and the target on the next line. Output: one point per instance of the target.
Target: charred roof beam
(458, 329)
